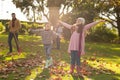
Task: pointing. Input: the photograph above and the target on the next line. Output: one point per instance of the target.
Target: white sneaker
(46, 64)
(50, 62)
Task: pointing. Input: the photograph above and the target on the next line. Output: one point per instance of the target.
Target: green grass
(101, 61)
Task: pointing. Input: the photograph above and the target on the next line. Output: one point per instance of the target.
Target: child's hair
(80, 28)
(48, 26)
(80, 23)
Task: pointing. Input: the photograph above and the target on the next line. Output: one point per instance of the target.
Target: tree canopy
(71, 9)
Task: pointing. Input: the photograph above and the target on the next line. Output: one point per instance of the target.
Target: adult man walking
(14, 26)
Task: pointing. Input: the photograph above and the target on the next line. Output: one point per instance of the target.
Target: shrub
(26, 26)
(101, 33)
(2, 28)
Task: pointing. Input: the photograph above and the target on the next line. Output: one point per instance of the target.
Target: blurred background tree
(69, 10)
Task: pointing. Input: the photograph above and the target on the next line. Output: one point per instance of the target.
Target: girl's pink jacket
(74, 40)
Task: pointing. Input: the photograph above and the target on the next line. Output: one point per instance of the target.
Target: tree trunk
(118, 24)
(53, 15)
(34, 19)
(117, 10)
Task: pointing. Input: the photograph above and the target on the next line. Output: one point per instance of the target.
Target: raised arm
(88, 26)
(65, 24)
(36, 31)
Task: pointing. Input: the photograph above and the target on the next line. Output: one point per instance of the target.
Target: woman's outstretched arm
(88, 26)
(65, 24)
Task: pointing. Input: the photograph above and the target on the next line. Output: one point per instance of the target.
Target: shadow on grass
(77, 77)
(99, 73)
(104, 48)
(104, 77)
(44, 75)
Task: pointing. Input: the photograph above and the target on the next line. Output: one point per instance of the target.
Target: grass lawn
(101, 61)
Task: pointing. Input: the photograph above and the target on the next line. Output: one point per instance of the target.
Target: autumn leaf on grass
(53, 70)
(56, 78)
(85, 69)
(84, 63)
(21, 74)
(27, 71)
(58, 68)
(62, 64)
(4, 76)
(97, 73)
(42, 76)
(19, 64)
(89, 48)
(3, 71)
(92, 58)
(16, 78)
(1, 66)
(1, 44)
(94, 54)
(14, 70)
(117, 65)
(9, 64)
(107, 71)
(101, 65)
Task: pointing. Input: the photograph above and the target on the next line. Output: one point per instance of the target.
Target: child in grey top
(47, 40)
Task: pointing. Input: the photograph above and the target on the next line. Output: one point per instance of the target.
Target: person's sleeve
(88, 26)
(66, 25)
(18, 26)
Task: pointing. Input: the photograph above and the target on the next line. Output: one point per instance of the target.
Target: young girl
(47, 40)
(77, 41)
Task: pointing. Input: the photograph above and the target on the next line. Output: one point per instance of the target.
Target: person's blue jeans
(58, 42)
(47, 48)
(10, 37)
(75, 59)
